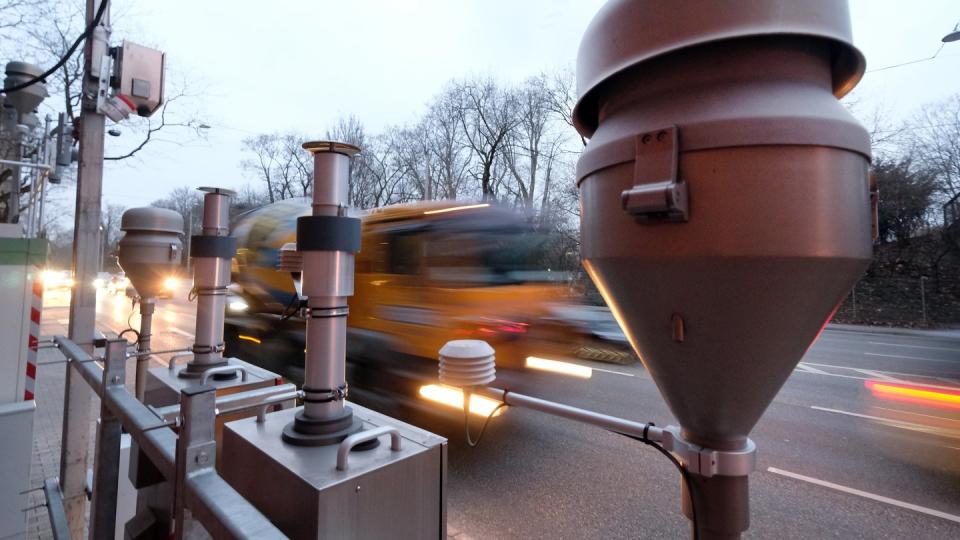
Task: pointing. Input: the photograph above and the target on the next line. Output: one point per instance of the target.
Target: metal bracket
(707, 461)
(657, 194)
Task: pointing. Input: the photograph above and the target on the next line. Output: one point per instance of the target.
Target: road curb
(861, 329)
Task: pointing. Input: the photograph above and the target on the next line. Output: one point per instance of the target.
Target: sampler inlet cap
(467, 362)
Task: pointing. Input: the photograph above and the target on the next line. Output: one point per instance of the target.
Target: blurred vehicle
(117, 283)
(916, 421)
(426, 273)
(171, 285)
(56, 279)
(101, 281)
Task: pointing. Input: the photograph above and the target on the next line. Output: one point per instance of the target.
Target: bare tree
(906, 197)
(110, 218)
(55, 26)
(265, 152)
(350, 130)
(935, 141)
(487, 114)
(188, 202)
(448, 150)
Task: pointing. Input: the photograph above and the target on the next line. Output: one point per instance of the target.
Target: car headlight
(170, 283)
(238, 305)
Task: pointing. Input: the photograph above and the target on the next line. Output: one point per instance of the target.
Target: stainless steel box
(164, 385)
(383, 493)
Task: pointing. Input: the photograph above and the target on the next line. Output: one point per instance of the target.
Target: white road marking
(879, 375)
(181, 332)
(866, 495)
(909, 426)
(806, 367)
(908, 357)
(803, 366)
(612, 372)
(914, 346)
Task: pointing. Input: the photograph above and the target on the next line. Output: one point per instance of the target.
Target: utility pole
(83, 302)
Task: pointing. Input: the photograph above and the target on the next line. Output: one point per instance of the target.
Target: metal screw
(202, 458)
(358, 488)
(661, 136)
(646, 138)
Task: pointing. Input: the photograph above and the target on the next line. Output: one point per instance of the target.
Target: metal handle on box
(222, 371)
(343, 452)
(172, 363)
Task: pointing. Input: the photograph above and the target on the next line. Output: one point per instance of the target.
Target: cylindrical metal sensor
(725, 197)
(326, 243)
(150, 249)
(211, 252)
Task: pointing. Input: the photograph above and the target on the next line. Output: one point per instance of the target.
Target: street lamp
(952, 36)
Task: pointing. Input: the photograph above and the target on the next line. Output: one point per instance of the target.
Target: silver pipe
(327, 282)
(28, 164)
(211, 275)
(604, 421)
(59, 525)
(147, 308)
(326, 355)
(223, 512)
(106, 468)
(239, 401)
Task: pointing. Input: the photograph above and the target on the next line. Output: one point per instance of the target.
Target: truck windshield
(486, 258)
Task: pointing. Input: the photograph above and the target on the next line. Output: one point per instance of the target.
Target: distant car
(170, 286)
(56, 279)
(118, 282)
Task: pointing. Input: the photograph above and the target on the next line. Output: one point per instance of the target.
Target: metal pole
(106, 471)
(923, 297)
(83, 303)
(211, 275)
(327, 240)
(196, 447)
(854, 293)
(43, 190)
(189, 234)
(147, 307)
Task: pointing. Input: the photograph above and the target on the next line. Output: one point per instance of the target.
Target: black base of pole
(304, 431)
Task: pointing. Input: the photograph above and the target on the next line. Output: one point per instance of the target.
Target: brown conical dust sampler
(725, 197)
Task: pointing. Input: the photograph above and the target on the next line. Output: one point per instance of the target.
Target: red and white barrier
(36, 307)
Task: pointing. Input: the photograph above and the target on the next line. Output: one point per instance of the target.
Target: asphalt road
(833, 461)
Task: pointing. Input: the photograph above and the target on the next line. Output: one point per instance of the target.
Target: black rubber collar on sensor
(328, 233)
(213, 246)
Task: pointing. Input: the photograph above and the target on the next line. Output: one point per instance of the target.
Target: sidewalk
(47, 428)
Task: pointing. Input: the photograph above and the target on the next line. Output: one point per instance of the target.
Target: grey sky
(288, 65)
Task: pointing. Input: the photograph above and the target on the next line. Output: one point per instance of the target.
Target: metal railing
(186, 459)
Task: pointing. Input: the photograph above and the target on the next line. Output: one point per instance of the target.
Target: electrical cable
(683, 472)
(466, 419)
(131, 329)
(63, 60)
(289, 310)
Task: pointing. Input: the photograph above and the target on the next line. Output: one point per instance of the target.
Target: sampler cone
(724, 193)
